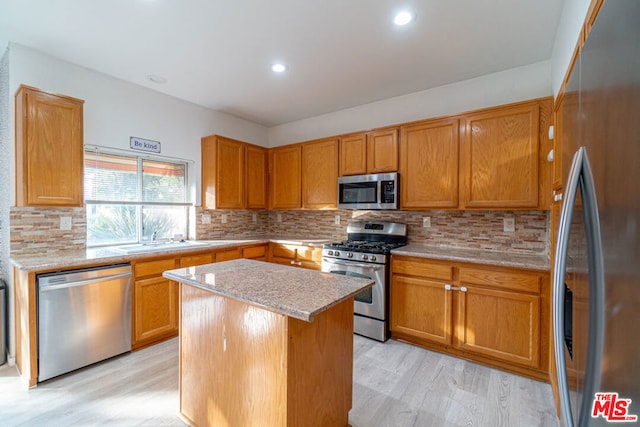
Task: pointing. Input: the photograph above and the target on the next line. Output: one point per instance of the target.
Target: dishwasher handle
(73, 284)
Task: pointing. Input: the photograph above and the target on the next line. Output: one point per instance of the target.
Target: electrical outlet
(509, 225)
(254, 217)
(279, 217)
(206, 219)
(336, 220)
(223, 218)
(426, 222)
(65, 223)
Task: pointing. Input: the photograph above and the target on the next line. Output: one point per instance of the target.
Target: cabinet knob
(447, 287)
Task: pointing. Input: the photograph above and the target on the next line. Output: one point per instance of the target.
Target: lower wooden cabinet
(155, 298)
(155, 302)
(296, 255)
(494, 315)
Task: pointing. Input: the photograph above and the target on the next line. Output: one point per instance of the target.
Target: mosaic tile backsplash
(35, 229)
(454, 229)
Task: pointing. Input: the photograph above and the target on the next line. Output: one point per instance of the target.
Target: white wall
(573, 15)
(114, 110)
(517, 84)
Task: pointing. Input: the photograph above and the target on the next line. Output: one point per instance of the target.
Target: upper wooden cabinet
(382, 151)
(320, 174)
(233, 174)
(257, 172)
(49, 149)
(500, 157)
(369, 152)
(285, 177)
(429, 164)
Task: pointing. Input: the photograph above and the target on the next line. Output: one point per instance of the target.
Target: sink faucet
(154, 236)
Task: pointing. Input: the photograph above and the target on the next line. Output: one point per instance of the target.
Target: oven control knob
(365, 257)
(373, 258)
(329, 252)
(349, 255)
(337, 253)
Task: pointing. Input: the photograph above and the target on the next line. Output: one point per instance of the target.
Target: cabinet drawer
(517, 281)
(228, 255)
(310, 253)
(189, 261)
(283, 251)
(150, 268)
(254, 252)
(422, 268)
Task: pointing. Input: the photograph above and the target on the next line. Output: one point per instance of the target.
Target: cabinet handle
(448, 287)
(296, 263)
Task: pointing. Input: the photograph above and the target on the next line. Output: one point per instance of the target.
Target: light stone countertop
(46, 261)
(477, 256)
(293, 292)
(84, 257)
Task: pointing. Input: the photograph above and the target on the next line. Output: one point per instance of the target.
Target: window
(131, 199)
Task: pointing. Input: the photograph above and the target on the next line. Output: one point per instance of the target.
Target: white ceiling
(340, 53)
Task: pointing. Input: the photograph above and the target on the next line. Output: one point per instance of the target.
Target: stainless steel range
(366, 253)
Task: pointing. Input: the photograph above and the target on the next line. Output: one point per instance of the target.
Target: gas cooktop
(364, 246)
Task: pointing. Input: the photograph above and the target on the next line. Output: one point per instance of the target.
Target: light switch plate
(206, 219)
(223, 218)
(254, 217)
(65, 223)
(509, 225)
(279, 217)
(426, 222)
(336, 220)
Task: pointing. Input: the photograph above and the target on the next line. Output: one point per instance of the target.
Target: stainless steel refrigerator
(597, 264)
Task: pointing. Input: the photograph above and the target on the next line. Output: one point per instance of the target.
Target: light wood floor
(395, 384)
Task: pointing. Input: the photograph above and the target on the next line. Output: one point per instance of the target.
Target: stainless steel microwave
(373, 191)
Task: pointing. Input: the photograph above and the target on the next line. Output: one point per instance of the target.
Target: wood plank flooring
(395, 384)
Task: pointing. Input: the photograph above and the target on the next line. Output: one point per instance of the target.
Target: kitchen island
(265, 344)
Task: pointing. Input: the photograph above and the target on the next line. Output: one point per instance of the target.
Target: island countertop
(290, 291)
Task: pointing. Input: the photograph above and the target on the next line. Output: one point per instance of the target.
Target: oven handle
(374, 267)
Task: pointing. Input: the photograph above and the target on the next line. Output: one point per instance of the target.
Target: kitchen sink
(158, 246)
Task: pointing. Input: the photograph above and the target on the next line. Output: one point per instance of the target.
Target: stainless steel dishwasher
(84, 316)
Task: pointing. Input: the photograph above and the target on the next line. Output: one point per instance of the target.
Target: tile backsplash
(38, 229)
(455, 229)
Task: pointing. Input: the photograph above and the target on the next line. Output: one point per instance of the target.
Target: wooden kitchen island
(265, 345)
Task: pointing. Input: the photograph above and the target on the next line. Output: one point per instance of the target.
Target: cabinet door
(49, 149)
(353, 155)
(156, 309)
(421, 308)
(503, 325)
(309, 257)
(499, 158)
(230, 174)
(256, 177)
(320, 174)
(223, 173)
(382, 151)
(429, 165)
(284, 177)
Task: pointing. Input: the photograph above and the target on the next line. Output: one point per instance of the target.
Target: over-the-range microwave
(373, 191)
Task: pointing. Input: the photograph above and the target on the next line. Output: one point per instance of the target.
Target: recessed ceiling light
(403, 18)
(279, 68)
(156, 78)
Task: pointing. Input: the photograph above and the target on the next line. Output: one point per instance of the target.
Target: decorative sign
(142, 144)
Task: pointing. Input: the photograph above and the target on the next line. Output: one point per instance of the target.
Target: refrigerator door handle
(580, 175)
(595, 257)
(560, 265)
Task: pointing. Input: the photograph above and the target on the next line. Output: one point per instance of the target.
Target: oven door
(372, 301)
